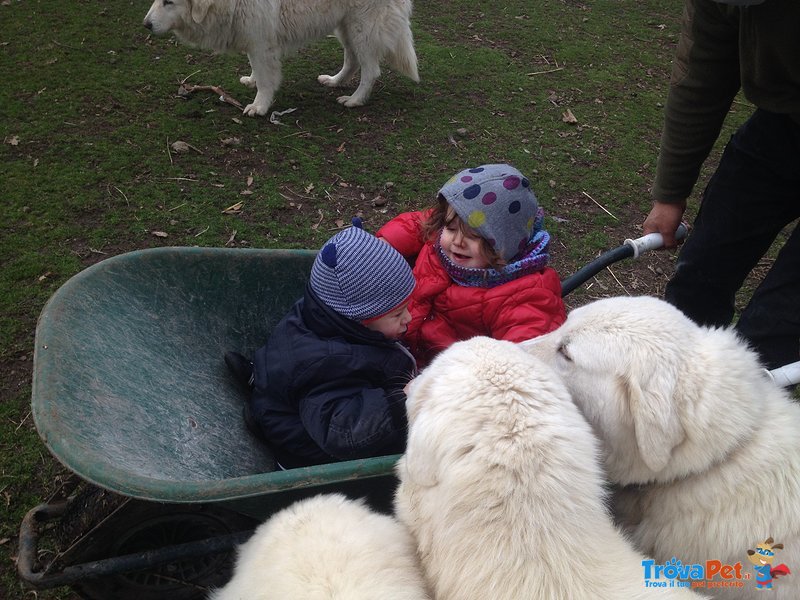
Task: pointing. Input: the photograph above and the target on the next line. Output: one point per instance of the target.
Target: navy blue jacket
(327, 388)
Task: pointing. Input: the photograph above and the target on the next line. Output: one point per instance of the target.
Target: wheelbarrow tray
(130, 391)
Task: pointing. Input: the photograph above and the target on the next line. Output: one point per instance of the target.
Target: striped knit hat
(360, 276)
(496, 201)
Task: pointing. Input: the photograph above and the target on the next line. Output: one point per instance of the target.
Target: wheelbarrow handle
(630, 248)
(653, 241)
(29, 539)
(787, 375)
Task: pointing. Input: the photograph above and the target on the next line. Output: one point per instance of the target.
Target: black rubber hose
(593, 268)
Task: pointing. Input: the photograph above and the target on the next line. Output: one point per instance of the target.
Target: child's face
(393, 324)
(462, 244)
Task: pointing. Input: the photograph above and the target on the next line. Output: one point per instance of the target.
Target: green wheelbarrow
(130, 393)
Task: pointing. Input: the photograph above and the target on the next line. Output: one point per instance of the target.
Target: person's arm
(705, 79)
(349, 420)
(404, 233)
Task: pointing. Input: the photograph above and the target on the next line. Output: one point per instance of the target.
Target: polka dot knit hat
(360, 276)
(496, 201)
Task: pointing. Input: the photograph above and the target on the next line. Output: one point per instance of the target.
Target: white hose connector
(653, 241)
(787, 375)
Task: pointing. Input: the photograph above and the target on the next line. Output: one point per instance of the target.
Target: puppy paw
(350, 101)
(255, 110)
(248, 80)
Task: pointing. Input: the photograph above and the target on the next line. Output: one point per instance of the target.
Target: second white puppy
(501, 487)
(326, 548)
(706, 443)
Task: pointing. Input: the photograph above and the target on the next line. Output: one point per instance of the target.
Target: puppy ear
(199, 9)
(421, 460)
(656, 422)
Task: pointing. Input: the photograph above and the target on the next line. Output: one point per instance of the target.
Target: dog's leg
(370, 71)
(266, 75)
(248, 80)
(365, 47)
(349, 67)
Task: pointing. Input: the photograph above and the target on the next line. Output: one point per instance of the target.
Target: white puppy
(501, 487)
(268, 30)
(326, 548)
(688, 417)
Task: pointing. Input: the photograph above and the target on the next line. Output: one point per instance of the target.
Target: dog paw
(255, 110)
(350, 101)
(328, 80)
(248, 80)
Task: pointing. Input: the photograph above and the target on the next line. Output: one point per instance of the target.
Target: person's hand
(664, 218)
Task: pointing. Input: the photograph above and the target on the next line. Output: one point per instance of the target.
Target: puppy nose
(149, 24)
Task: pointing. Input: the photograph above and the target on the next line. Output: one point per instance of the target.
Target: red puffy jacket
(443, 312)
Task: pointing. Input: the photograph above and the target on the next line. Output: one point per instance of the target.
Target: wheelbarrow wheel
(149, 526)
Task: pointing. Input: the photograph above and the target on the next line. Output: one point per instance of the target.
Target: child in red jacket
(480, 261)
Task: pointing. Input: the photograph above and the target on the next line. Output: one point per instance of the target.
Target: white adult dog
(500, 485)
(268, 30)
(708, 444)
(327, 548)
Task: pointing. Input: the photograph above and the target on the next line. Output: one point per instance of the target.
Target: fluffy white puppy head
(666, 396)
(487, 408)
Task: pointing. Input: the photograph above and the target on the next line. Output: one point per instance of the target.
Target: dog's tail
(402, 57)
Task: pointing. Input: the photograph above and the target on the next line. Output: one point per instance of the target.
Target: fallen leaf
(161, 234)
(45, 276)
(341, 147)
(321, 216)
(339, 222)
(308, 188)
(181, 146)
(231, 141)
(233, 208)
(13, 140)
(568, 117)
(379, 201)
(249, 181)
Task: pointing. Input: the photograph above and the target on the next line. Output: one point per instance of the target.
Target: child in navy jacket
(328, 384)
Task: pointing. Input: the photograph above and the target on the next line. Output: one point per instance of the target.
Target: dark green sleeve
(705, 79)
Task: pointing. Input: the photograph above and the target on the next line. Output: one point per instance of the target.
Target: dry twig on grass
(187, 88)
(603, 208)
